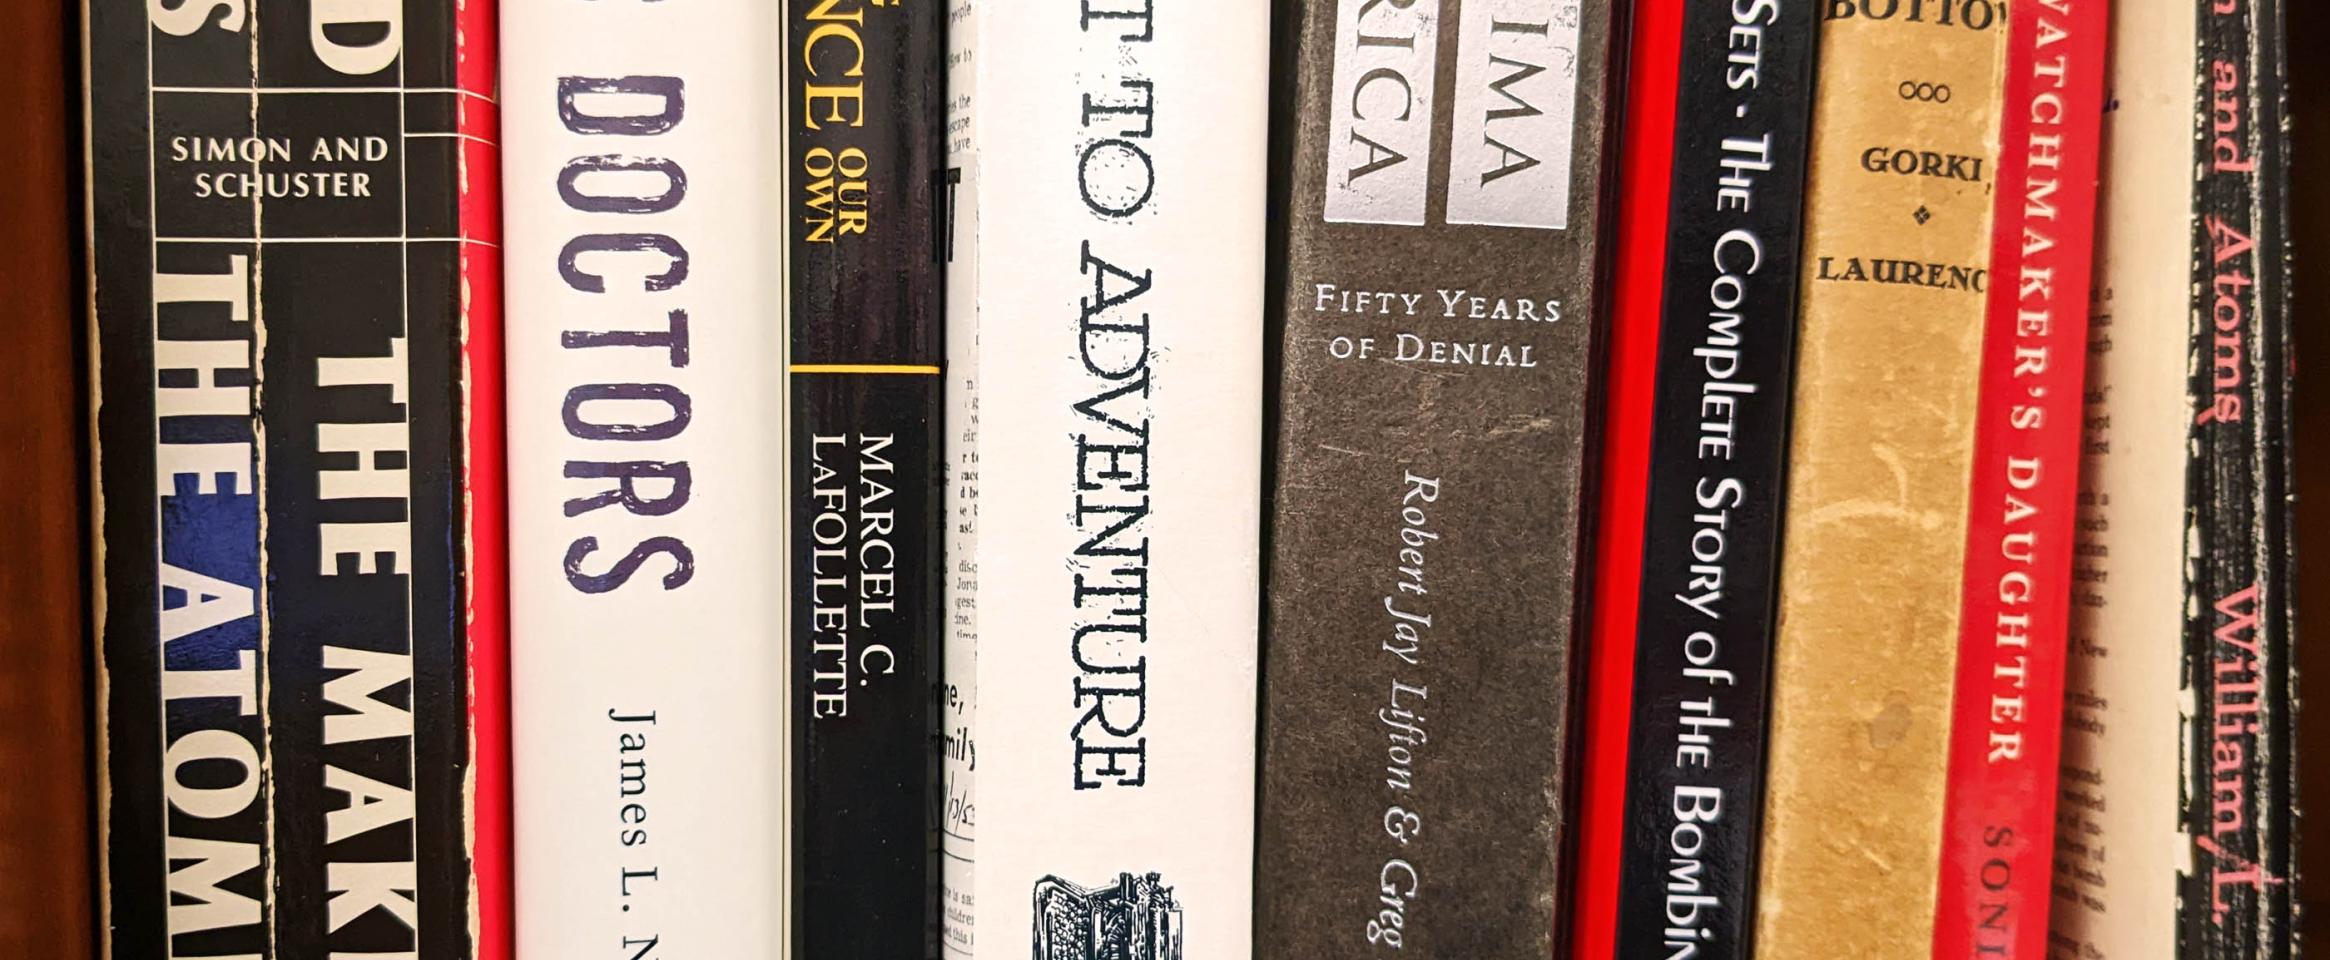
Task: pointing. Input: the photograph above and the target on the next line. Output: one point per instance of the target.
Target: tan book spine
(1896, 255)
(2118, 846)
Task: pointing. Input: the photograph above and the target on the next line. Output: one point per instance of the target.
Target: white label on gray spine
(1380, 153)
(1516, 103)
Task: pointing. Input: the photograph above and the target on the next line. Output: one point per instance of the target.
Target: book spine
(1441, 331)
(1896, 261)
(485, 468)
(645, 389)
(46, 896)
(2116, 846)
(2005, 738)
(2236, 898)
(1718, 455)
(1105, 434)
(278, 255)
(862, 166)
(954, 701)
(1646, 165)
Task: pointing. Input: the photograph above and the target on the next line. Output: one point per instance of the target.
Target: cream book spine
(2119, 844)
(646, 427)
(1105, 435)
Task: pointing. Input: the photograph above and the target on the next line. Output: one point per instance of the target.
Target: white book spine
(2120, 844)
(646, 431)
(958, 819)
(1105, 412)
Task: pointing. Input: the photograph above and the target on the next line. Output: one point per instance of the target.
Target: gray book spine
(1444, 186)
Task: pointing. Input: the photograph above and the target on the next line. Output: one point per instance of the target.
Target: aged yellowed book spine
(2118, 847)
(1897, 245)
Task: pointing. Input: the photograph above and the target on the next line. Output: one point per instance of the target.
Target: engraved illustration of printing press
(1135, 918)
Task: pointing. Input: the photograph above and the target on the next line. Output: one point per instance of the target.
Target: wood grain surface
(45, 884)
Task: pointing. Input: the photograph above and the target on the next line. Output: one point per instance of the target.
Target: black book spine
(863, 115)
(276, 239)
(2240, 800)
(1717, 476)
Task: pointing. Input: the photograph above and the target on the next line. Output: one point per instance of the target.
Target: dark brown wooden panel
(45, 879)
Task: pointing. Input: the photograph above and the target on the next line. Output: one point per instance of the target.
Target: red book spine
(1633, 339)
(2006, 736)
(485, 472)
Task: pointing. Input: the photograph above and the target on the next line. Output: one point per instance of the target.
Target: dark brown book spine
(45, 852)
(1442, 238)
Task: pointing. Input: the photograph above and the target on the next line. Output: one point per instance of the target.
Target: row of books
(1127, 481)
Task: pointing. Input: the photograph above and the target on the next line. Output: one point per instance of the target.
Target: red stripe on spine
(486, 474)
(1645, 168)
